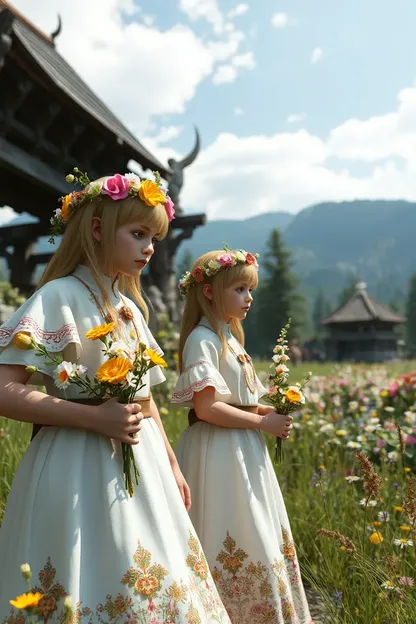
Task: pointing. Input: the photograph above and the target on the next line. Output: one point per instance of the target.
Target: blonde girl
(238, 510)
(68, 514)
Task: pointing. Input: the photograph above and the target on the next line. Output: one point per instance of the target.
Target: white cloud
(238, 10)
(280, 20)
(238, 111)
(237, 177)
(7, 214)
(225, 74)
(139, 70)
(296, 118)
(316, 55)
(204, 9)
(244, 60)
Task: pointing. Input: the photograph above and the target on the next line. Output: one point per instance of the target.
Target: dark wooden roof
(363, 308)
(42, 51)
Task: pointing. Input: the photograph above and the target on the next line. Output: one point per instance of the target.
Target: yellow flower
(321, 467)
(65, 207)
(376, 538)
(293, 395)
(26, 601)
(307, 416)
(407, 469)
(377, 523)
(404, 527)
(384, 393)
(114, 371)
(397, 508)
(341, 432)
(342, 548)
(23, 341)
(100, 331)
(155, 358)
(151, 194)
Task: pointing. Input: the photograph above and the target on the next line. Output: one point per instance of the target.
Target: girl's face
(134, 245)
(237, 300)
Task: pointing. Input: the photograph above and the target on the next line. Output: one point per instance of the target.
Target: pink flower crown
(116, 187)
(228, 259)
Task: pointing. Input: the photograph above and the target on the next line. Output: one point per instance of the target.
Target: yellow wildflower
(114, 371)
(155, 358)
(26, 601)
(23, 341)
(398, 508)
(100, 331)
(376, 538)
(404, 527)
(294, 395)
(341, 432)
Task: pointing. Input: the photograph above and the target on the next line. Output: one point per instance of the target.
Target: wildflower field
(348, 478)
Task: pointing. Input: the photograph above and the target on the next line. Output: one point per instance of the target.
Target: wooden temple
(51, 121)
(362, 330)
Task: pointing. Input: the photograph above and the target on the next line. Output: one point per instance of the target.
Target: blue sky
(298, 101)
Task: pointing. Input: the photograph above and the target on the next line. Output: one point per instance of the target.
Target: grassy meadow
(363, 563)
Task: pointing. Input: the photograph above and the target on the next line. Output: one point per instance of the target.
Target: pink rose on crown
(116, 187)
(226, 260)
(170, 208)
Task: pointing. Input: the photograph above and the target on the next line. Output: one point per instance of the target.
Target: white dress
(237, 506)
(68, 515)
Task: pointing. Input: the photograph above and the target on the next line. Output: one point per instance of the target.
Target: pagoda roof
(363, 308)
(40, 47)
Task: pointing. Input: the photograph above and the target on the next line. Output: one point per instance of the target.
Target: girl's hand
(117, 421)
(276, 424)
(183, 486)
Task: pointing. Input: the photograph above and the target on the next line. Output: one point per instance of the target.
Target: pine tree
(411, 317)
(277, 299)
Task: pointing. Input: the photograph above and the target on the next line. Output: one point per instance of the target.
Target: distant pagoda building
(362, 330)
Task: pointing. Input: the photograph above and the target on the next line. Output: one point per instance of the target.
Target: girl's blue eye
(138, 234)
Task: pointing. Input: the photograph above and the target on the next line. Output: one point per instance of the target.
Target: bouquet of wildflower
(120, 376)
(285, 398)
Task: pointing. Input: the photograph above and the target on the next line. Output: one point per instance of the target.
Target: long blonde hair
(198, 305)
(78, 245)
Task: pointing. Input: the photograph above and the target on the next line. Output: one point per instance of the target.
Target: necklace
(249, 371)
(125, 312)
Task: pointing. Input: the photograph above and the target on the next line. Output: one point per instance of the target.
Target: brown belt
(193, 418)
(144, 403)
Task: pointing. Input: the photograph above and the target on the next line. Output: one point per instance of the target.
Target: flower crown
(116, 187)
(226, 260)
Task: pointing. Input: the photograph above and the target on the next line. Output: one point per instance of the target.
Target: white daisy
(403, 543)
(63, 373)
(352, 478)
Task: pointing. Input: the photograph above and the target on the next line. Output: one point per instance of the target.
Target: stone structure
(362, 330)
(51, 121)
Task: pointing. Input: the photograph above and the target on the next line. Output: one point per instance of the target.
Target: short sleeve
(200, 370)
(47, 316)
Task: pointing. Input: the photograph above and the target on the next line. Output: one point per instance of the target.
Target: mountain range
(332, 244)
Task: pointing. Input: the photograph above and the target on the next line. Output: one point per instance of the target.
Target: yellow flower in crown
(27, 601)
(96, 333)
(151, 194)
(65, 207)
(155, 358)
(23, 341)
(114, 371)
